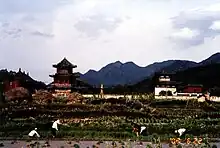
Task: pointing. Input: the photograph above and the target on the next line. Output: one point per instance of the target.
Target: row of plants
(93, 134)
(122, 124)
(104, 112)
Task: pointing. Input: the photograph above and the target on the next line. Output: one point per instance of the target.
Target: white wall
(186, 97)
(164, 79)
(106, 96)
(157, 90)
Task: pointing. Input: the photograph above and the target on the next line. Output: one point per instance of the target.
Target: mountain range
(129, 73)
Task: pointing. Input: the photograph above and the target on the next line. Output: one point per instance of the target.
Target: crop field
(112, 120)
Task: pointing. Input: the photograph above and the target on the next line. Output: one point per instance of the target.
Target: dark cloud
(199, 20)
(7, 31)
(93, 25)
(42, 34)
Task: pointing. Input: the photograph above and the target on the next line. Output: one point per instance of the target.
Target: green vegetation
(112, 119)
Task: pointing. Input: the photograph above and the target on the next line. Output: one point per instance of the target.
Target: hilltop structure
(64, 79)
(12, 79)
(164, 85)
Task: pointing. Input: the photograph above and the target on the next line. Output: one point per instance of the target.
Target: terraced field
(112, 119)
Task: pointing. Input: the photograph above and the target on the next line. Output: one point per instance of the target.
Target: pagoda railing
(62, 85)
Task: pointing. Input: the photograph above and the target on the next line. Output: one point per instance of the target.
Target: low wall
(107, 96)
(176, 97)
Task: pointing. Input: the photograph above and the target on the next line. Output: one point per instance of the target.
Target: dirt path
(69, 144)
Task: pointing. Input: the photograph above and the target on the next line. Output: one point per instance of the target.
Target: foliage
(76, 146)
(75, 98)
(162, 93)
(17, 95)
(24, 80)
(112, 119)
(43, 97)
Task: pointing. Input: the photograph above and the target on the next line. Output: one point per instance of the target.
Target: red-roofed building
(64, 79)
(193, 88)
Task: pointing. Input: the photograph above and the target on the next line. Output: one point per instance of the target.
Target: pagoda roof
(64, 64)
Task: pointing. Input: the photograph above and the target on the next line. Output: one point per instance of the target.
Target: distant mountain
(215, 58)
(179, 65)
(129, 73)
(118, 73)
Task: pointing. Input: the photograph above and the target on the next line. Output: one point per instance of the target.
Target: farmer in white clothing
(33, 133)
(54, 127)
(142, 129)
(180, 131)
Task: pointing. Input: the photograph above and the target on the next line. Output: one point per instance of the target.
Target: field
(112, 120)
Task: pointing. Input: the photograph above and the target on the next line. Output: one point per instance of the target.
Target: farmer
(180, 131)
(33, 133)
(138, 130)
(54, 127)
(142, 129)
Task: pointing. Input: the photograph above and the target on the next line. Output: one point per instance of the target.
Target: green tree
(2, 98)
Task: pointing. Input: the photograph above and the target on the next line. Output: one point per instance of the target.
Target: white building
(165, 87)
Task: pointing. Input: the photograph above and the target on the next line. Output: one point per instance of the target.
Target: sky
(34, 34)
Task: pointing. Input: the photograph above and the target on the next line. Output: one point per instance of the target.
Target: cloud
(22, 18)
(198, 24)
(42, 34)
(186, 33)
(93, 25)
(92, 33)
(215, 25)
(11, 7)
(186, 37)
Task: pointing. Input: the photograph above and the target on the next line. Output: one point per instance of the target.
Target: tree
(75, 98)
(2, 97)
(43, 97)
(18, 95)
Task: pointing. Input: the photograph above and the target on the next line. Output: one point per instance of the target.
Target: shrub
(75, 98)
(162, 93)
(43, 97)
(76, 146)
(18, 95)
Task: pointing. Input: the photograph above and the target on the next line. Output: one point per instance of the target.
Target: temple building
(64, 80)
(164, 86)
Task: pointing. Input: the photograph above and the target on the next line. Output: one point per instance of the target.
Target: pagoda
(64, 80)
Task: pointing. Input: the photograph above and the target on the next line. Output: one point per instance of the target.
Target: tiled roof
(65, 63)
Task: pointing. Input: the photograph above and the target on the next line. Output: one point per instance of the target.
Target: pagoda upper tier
(64, 64)
(64, 74)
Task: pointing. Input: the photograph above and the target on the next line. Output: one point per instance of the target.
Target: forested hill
(207, 75)
(24, 79)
